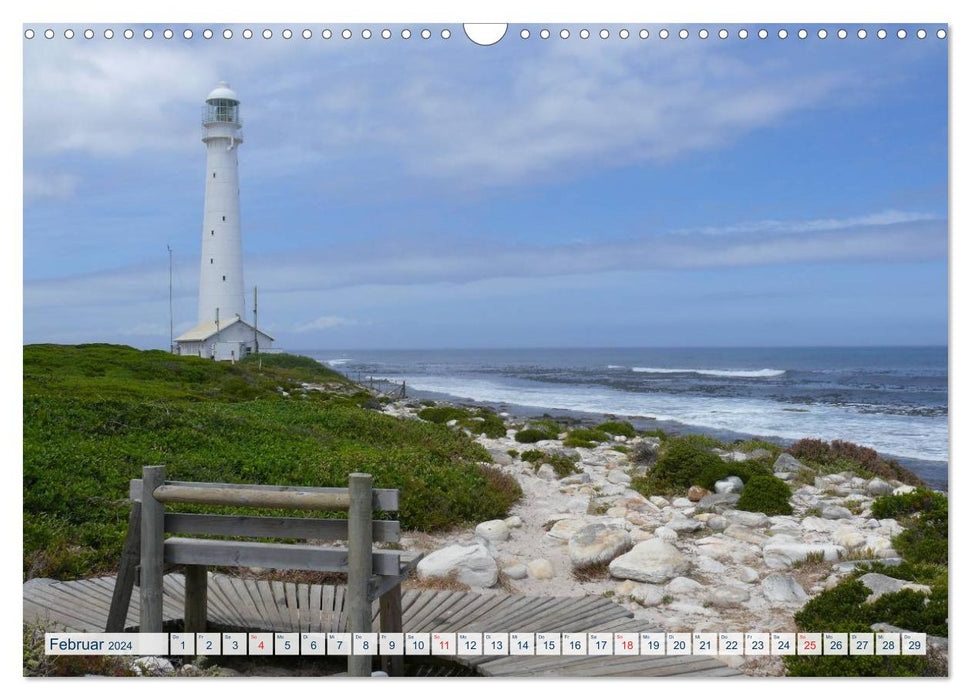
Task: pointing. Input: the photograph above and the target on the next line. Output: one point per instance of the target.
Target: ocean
(891, 399)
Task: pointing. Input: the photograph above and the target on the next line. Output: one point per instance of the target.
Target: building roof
(206, 330)
(222, 92)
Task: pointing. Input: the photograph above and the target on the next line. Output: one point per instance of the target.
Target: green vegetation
(533, 456)
(846, 456)
(480, 421)
(585, 437)
(680, 466)
(533, 434)
(766, 494)
(95, 414)
(923, 545)
(614, 427)
(722, 470)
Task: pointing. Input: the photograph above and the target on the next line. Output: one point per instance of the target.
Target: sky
(536, 193)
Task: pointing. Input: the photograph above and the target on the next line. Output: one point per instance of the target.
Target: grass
(585, 437)
(94, 414)
(591, 572)
(480, 421)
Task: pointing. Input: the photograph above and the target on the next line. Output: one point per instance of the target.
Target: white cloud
(324, 322)
(51, 186)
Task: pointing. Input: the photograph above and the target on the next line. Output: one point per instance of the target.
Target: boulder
(651, 561)
(878, 487)
(746, 518)
(731, 484)
(782, 588)
(849, 537)
(904, 489)
(666, 534)
(492, 531)
(617, 476)
(546, 472)
(782, 553)
(696, 493)
(745, 534)
(470, 563)
(515, 572)
(758, 453)
(513, 521)
(540, 569)
(881, 585)
(718, 502)
(787, 463)
(500, 457)
(684, 524)
(681, 503)
(581, 478)
(597, 544)
(836, 513)
(659, 501)
(722, 596)
(717, 522)
(646, 594)
(683, 585)
(564, 529)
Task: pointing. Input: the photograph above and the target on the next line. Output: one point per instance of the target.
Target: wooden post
(359, 550)
(196, 597)
(125, 581)
(391, 622)
(153, 535)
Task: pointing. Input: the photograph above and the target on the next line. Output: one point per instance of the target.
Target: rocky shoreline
(688, 563)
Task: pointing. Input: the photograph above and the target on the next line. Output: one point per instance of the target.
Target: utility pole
(256, 333)
(171, 334)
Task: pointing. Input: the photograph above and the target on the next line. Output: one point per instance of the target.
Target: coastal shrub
(925, 539)
(533, 455)
(615, 427)
(766, 494)
(644, 453)
(547, 425)
(563, 464)
(623, 449)
(484, 421)
(704, 442)
(88, 430)
(865, 458)
(531, 435)
(679, 467)
(443, 414)
(906, 504)
(286, 361)
(585, 437)
(655, 433)
(743, 470)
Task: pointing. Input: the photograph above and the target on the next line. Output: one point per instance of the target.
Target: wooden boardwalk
(256, 605)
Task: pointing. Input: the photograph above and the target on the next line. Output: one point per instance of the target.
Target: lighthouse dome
(222, 92)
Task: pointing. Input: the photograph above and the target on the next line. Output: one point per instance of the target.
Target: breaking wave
(736, 373)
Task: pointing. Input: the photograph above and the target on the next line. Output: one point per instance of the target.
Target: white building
(222, 333)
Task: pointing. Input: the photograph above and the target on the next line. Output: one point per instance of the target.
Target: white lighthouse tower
(221, 271)
(222, 333)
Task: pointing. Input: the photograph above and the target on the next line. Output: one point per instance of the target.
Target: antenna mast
(256, 336)
(171, 334)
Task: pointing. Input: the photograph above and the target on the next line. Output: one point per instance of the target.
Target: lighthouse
(221, 266)
(221, 332)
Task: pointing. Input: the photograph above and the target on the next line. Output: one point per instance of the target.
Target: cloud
(52, 186)
(875, 238)
(324, 322)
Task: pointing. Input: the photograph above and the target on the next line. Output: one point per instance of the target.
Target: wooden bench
(371, 574)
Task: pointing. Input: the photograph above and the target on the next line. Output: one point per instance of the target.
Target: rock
(747, 574)
(681, 503)
(564, 529)
(903, 489)
(151, 666)
(500, 457)
(744, 517)
(727, 595)
(659, 501)
(666, 534)
(616, 476)
(513, 521)
(814, 524)
(758, 453)
(540, 569)
(684, 524)
(718, 502)
(782, 588)
(471, 564)
(785, 476)
(783, 553)
(646, 594)
(849, 566)
(716, 522)
(546, 472)
(515, 572)
(745, 534)
(708, 565)
(836, 513)
(581, 478)
(731, 484)
(881, 585)
(683, 585)
(848, 537)
(696, 493)
(597, 544)
(492, 531)
(651, 561)
(787, 463)
(878, 487)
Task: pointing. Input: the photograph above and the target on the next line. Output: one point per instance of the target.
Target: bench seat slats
(383, 499)
(260, 526)
(181, 550)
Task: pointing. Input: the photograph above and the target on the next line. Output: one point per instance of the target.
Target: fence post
(196, 598)
(153, 535)
(125, 581)
(359, 548)
(391, 622)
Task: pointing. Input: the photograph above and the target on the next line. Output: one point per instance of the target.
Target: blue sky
(534, 193)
